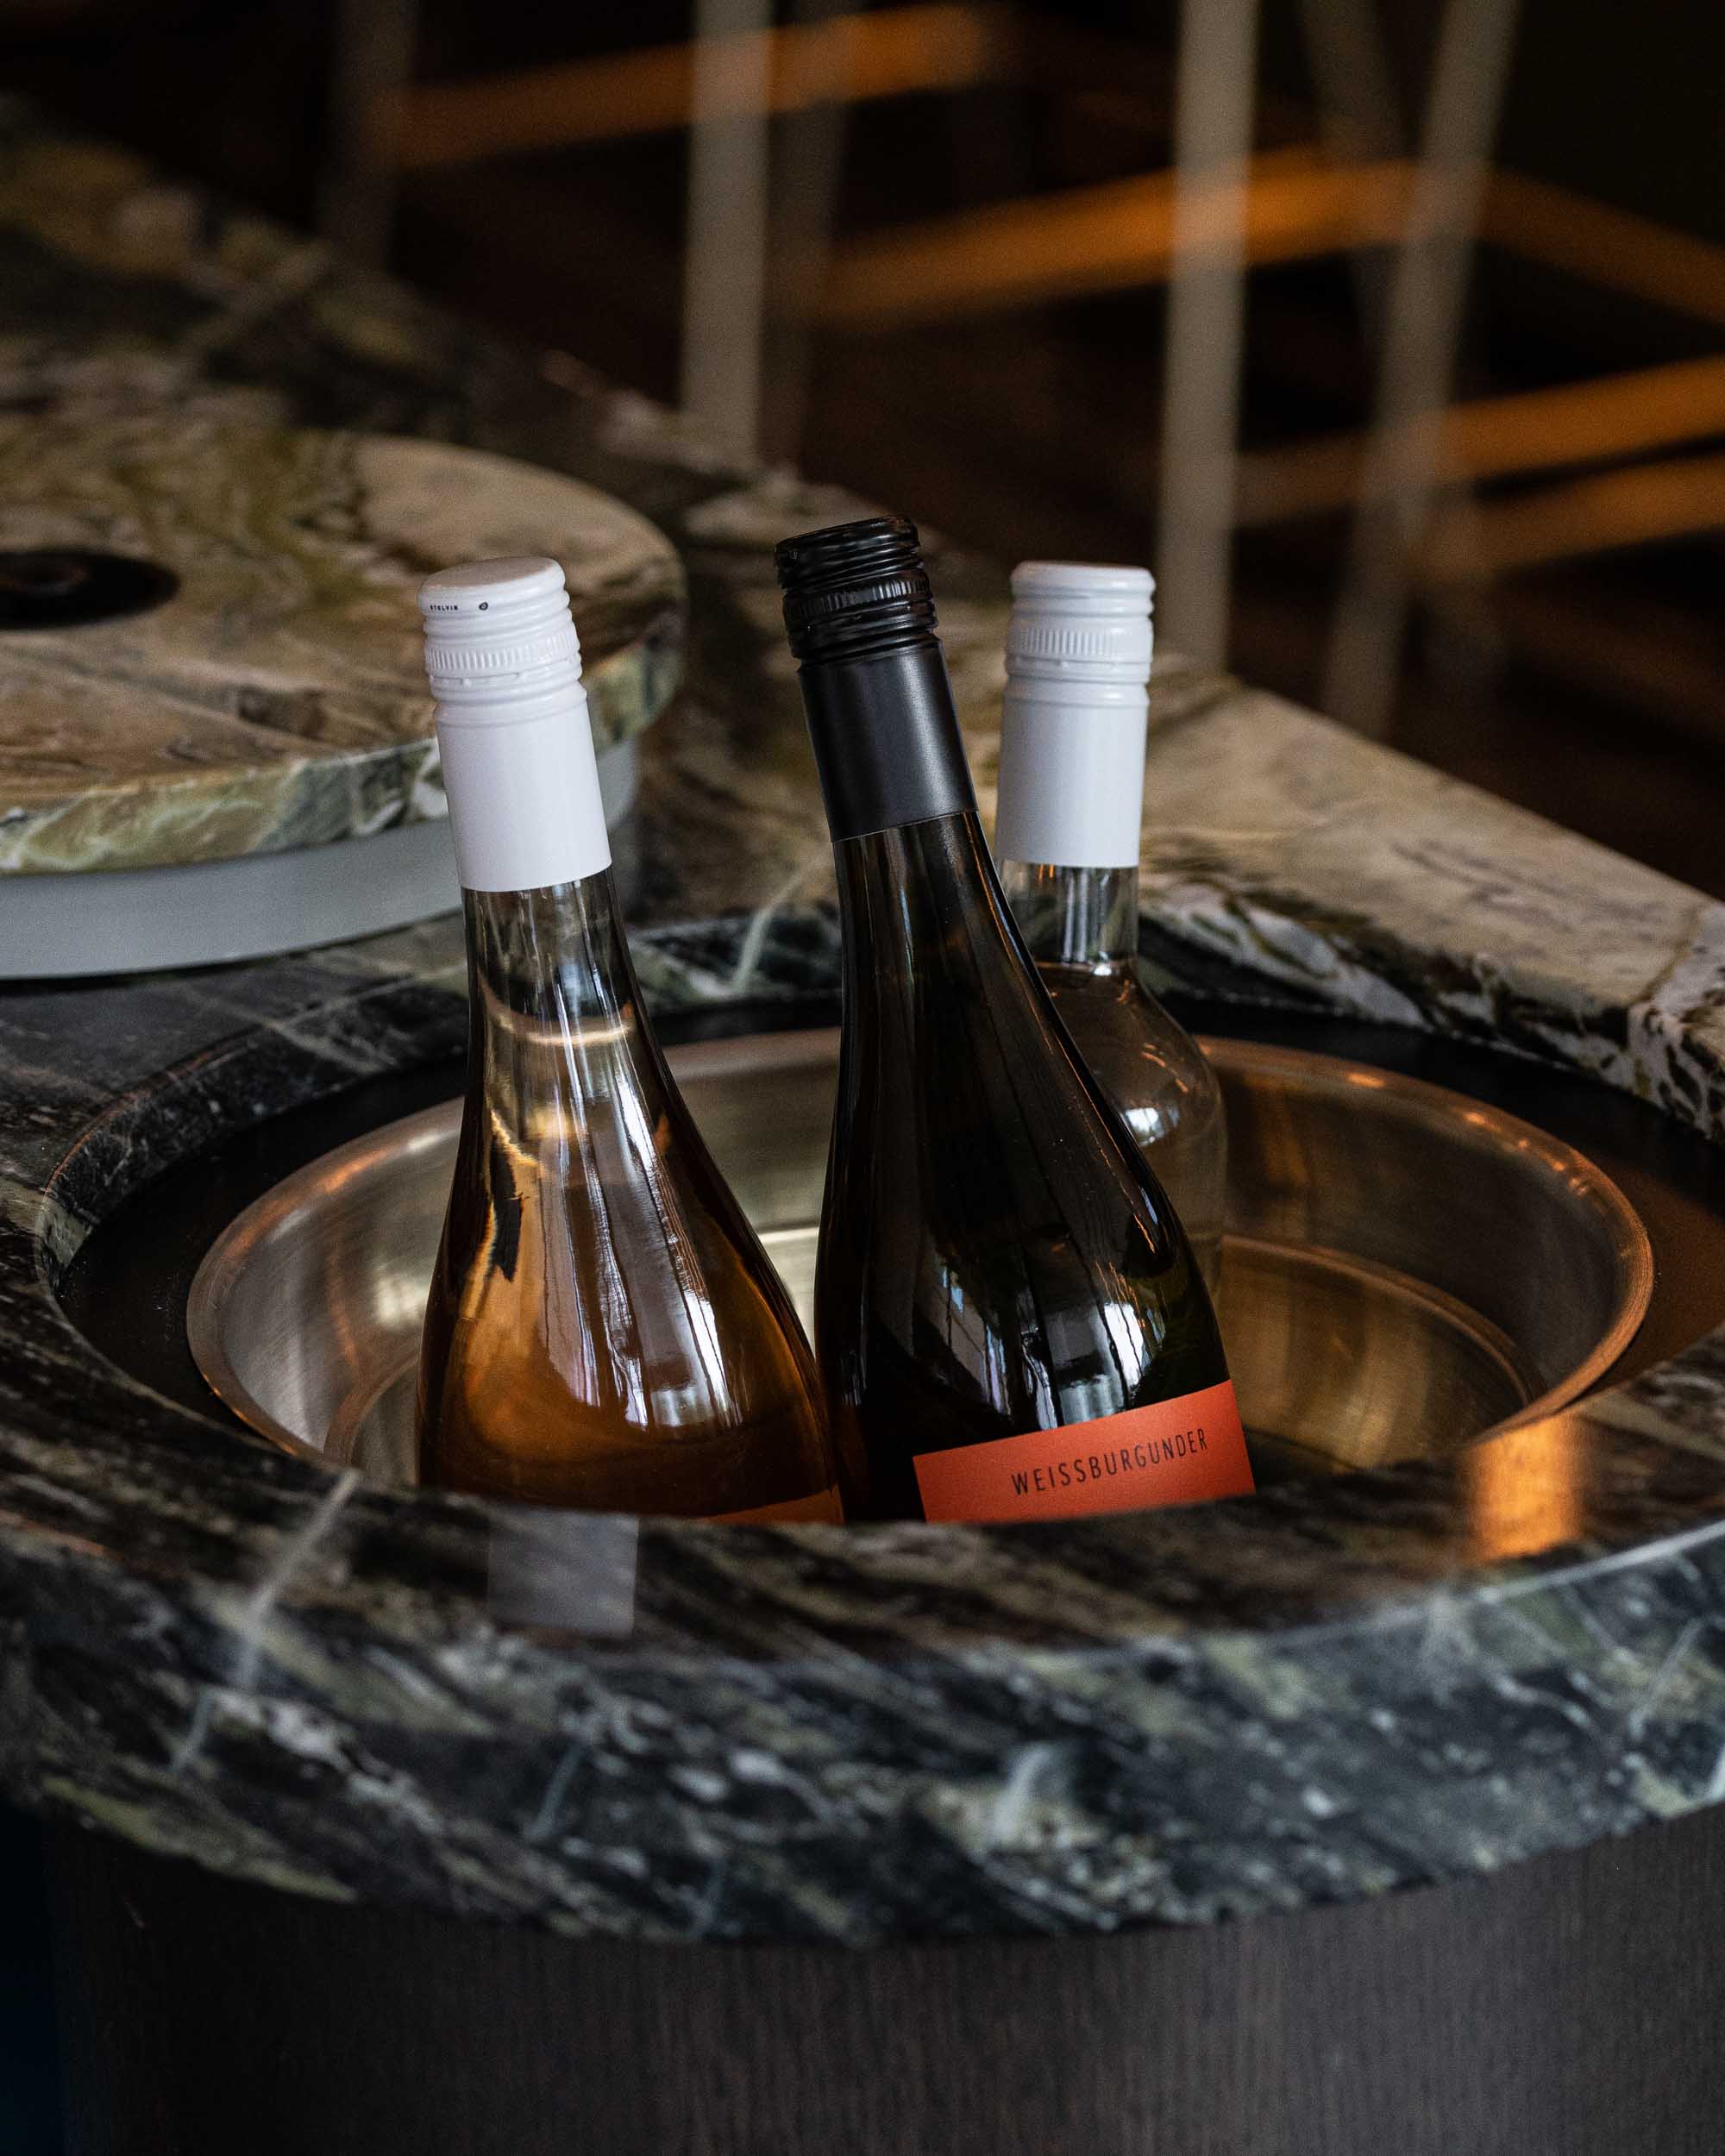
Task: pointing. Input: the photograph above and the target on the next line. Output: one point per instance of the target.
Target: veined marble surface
(842, 1734)
(278, 699)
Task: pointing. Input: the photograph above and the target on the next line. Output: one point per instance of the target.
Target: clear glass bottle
(604, 1330)
(1066, 836)
(1009, 1322)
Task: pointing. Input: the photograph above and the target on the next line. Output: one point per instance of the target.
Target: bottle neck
(885, 738)
(1074, 917)
(1071, 772)
(555, 1011)
(924, 918)
(522, 781)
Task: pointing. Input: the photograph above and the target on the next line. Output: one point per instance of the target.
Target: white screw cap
(1074, 725)
(491, 625)
(513, 727)
(1090, 615)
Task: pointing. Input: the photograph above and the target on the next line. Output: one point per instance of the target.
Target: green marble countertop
(276, 698)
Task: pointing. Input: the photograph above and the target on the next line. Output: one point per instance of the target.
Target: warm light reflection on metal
(846, 60)
(1355, 1196)
(1524, 1489)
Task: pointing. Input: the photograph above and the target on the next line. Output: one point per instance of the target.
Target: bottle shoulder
(1134, 1045)
(972, 1127)
(603, 1329)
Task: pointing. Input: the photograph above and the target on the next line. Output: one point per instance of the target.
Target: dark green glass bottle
(1009, 1319)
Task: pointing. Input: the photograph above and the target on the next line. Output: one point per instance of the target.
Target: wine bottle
(1066, 837)
(604, 1330)
(1009, 1322)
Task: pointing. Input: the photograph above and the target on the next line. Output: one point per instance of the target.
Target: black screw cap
(855, 588)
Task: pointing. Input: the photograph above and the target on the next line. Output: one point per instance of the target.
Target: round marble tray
(275, 702)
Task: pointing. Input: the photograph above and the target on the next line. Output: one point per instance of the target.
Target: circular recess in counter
(1406, 1267)
(249, 765)
(75, 587)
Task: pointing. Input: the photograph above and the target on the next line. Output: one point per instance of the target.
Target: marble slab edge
(276, 699)
(846, 1735)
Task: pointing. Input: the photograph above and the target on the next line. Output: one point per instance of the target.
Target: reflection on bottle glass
(1071, 786)
(604, 1330)
(1010, 1321)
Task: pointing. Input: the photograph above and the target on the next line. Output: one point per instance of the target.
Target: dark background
(29, 2092)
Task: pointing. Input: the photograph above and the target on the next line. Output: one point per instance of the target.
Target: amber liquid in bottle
(1009, 1320)
(604, 1330)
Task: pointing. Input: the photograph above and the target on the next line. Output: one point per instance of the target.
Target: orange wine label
(824, 1505)
(1173, 1452)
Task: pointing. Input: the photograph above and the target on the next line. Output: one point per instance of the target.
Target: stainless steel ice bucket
(1404, 1268)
